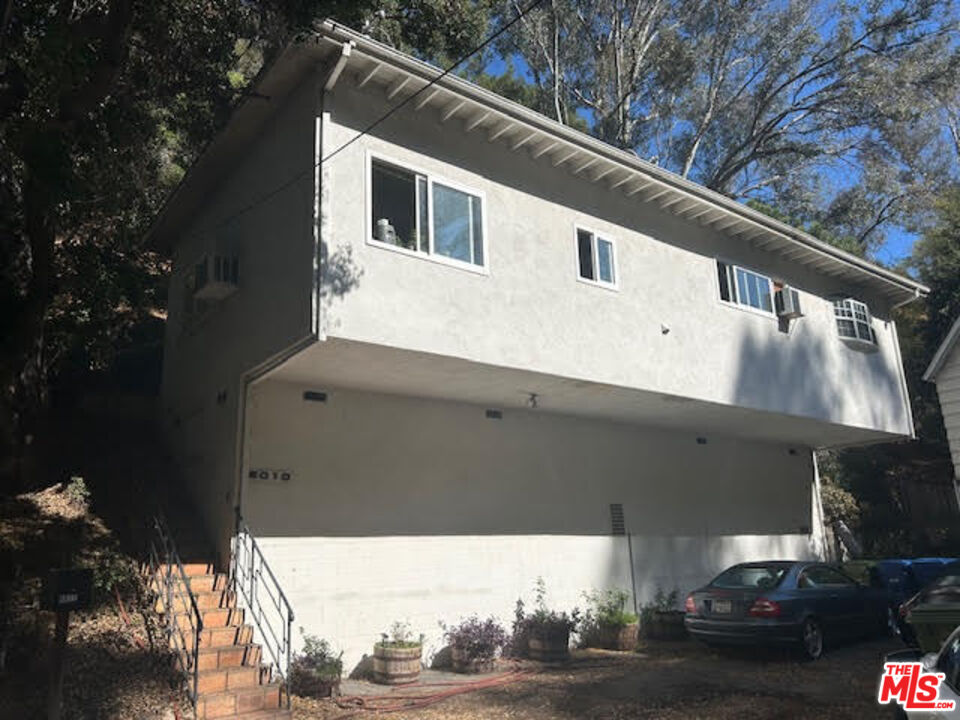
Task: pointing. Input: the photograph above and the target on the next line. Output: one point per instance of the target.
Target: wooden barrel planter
(618, 637)
(463, 663)
(396, 665)
(551, 646)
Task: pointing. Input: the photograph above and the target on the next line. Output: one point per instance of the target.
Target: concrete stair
(232, 680)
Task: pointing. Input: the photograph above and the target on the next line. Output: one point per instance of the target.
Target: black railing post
(254, 564)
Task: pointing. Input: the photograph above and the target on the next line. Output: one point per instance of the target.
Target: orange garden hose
(388, 703)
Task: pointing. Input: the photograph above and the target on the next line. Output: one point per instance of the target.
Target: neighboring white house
(473, 347)
(944, 370)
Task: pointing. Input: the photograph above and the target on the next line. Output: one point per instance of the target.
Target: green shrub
(315, 670)
(662, 602)
(78, 493)
(399, 636)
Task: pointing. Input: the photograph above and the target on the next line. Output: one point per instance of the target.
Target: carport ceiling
(361, 366)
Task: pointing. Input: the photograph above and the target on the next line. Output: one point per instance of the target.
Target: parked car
(899, 578)
(947, 661)
(784, 602)
(892, 576)
(937, 604)
(928, 569)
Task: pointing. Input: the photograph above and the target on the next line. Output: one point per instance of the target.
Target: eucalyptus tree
(824, 107)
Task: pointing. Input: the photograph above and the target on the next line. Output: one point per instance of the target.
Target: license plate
(722, 606)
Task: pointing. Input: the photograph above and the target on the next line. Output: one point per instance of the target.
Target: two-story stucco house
(473, 347)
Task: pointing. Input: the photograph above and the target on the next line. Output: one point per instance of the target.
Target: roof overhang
(522, 130)
(943, 352)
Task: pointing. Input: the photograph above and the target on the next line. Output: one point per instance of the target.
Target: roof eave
(287, 71)
(943, 352)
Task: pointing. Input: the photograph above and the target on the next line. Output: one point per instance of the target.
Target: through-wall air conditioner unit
(788, 303)
(215, 277)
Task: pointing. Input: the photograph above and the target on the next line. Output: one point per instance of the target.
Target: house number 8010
(270, 475)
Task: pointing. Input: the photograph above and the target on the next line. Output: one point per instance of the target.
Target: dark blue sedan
(784, 602)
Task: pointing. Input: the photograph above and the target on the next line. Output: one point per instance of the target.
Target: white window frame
(852, 304)
(431, 177)
(772, 313)
(595, 235)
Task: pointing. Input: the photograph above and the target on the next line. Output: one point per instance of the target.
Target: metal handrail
(250, 579)
(174, 589)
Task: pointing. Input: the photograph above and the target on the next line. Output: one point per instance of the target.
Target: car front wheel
(811, 639)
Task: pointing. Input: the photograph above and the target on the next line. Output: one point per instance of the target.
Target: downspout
(327, 78)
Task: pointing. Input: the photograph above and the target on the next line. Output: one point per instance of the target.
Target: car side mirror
(929, 661)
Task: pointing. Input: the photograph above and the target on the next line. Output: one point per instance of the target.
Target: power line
(389, 113)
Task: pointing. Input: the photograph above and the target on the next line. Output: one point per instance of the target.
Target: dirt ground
(669, 681)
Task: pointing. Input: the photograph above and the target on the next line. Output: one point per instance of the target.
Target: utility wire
(389, 113)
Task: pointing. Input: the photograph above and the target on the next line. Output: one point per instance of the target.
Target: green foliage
(78, 492)
(546, 621)
(839, 504)
(114, 572)
(400, 635)
(936, 259)
(102, 107)
(884, 478)
(315, 668)
(608, 608)
(834, 110)
(662, 602)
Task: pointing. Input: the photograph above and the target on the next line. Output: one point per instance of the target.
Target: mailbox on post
(65, 590)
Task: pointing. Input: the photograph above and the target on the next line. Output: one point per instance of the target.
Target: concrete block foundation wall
(425, 511)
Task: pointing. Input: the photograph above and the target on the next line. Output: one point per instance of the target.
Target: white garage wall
(402, 508)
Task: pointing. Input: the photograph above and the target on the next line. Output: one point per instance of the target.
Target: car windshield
(751, 576)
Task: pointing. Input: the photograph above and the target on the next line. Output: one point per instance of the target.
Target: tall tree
(823, 106)
(102, 105)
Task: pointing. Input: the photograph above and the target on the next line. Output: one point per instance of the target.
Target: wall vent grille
(618, 527)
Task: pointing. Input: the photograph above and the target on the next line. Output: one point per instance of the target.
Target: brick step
(208, 582)
(212, 618)
(223, 656)
(231, 635)
(228, 678)
(206, 600)
(198, 568)
(237, 702)
(265, 715)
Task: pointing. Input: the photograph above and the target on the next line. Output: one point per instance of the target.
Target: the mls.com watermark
(910, 685)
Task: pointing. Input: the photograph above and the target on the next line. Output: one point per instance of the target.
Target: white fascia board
(943, 352)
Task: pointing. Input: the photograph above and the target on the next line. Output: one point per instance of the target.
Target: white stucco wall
(530, 312)
(427, 511)
(270, 311)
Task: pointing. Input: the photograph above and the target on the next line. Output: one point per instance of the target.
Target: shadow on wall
(800, 373)
(339, 275)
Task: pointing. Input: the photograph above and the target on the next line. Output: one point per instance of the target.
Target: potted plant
(660, 619)
(474, 644)
(396, 658)
(548, 631)
(607, 623)
(315, 671)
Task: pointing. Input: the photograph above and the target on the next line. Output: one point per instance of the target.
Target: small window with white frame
(414, 212)
(740, 286)
(853, 321)
(596, 262)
